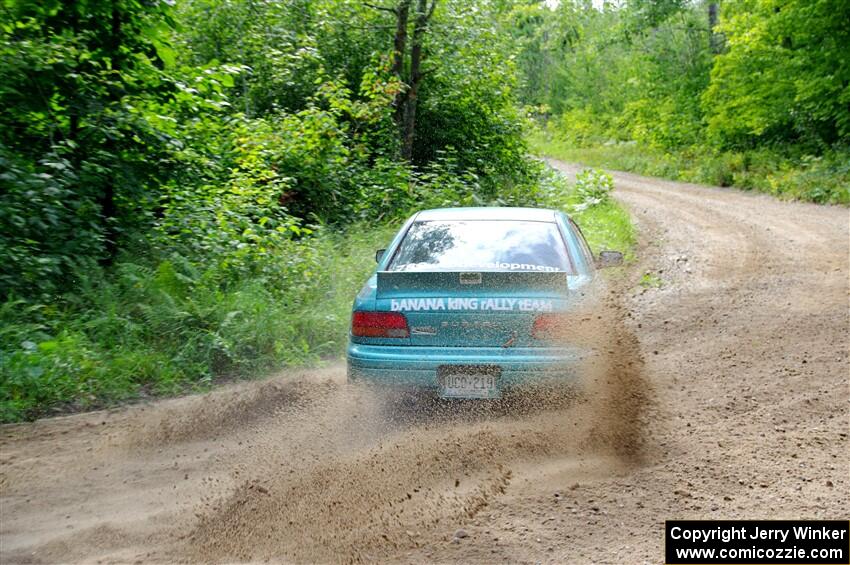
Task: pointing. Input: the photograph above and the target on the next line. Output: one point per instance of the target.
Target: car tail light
(547, 326)
(379, 324)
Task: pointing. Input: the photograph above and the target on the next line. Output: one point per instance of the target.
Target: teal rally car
(468, 302)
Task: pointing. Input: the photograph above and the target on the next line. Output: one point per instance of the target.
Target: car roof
(487, 213)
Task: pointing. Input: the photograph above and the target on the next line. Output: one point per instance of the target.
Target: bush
(210, 210)
(176, 324)
(230, 288)
(606, 225)
(593, 187)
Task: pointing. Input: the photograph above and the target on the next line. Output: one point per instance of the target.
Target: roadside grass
(606, 225)
(782, 172)
(171, 325)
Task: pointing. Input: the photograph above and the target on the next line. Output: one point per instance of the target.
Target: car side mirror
(379, 254)
(609, 259)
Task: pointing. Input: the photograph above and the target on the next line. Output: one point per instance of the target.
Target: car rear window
(482, 245)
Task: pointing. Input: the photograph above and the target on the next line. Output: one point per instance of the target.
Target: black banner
(744, 542)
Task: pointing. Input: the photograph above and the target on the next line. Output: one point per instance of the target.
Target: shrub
(593, 187)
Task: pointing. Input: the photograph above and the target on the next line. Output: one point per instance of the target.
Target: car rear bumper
(418, 366)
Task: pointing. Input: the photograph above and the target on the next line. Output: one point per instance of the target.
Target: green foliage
(593, 187)
(650, 280)
(606, 224)
(469, 100)
(39, 248)
(179, 324)
(607, 227)
(761, 104)
(194, 191)
(227, 126)
(785, 75)
(824, 179)
(628, 73)
(76, 160)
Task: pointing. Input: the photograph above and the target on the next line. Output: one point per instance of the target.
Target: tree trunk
(423, 14)
(399, 46)
(405, 100)
(108, 207)
(409, 125)
(714, 41)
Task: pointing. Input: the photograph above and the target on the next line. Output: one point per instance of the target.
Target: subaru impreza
(471, 302)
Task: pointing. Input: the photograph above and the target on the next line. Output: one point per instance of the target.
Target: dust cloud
(361, 473)
(310, 468)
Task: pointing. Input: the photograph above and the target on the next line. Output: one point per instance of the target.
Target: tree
(407, 66)
(785, 75)
(78, 155)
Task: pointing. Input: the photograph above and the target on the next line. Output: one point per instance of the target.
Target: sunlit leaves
(785, 74)
(79, 154)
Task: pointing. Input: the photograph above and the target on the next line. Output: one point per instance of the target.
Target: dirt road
(726, 396)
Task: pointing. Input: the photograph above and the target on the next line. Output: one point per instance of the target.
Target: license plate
(469, 383)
